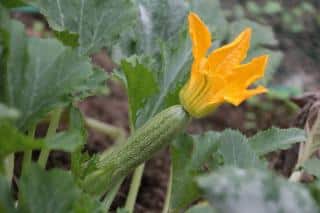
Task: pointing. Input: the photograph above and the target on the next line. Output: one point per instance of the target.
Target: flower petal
(246, 74)
(200, 36)
(225, 58)
(236, 97)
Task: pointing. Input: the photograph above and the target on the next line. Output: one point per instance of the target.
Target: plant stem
(168, 193)
(134, 188)
(295, 176)
(54, 123)
(111, 195)
(9, 167)
(27, 156)
(113, 132)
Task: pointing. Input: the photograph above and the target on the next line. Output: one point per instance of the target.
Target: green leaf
(94, 85)
(12, 3)
(13, 141)
(201, 208)
(45, 191)
(274, 139)
(41, 190)
(158, 20)
(68, 39)
(40, 75)
(76, 121)
(86, 204)
(97, 22)
(175, 67)
(6, 200)
(237, 190)
(236, 150)
(140, 84)
(189, 155)
(68, 141)
(81, 162)
(312, 166)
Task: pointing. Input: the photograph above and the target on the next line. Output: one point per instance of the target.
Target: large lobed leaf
(158, 20)
(152, 86)
(172, 74)
(97, 22)
(193, 155)
(41, 74)
(234, 190)
(275, 139)
(140, 84)
(189, 155)
(45, 191)
(236, 150)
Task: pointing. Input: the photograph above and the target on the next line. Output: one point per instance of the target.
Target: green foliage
(169, 76)
(195, 155)
(140, 84)
(42, 191)
(11, 140)
(236, 150)
(291, 18)
(12, 3)
(201, 208)
(276, 139)
(6, 200)
(158, 21)
(98, 23)
(312, 166)
(68, 141)
(254, 190)
(48, 73)
(189, 155)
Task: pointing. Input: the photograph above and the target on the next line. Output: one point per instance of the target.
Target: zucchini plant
(173, 71)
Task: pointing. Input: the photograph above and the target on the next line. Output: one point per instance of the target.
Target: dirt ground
(298, 67)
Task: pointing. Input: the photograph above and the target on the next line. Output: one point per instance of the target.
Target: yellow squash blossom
(219, 76)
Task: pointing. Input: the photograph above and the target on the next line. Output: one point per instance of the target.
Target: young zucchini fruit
(140, 147)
